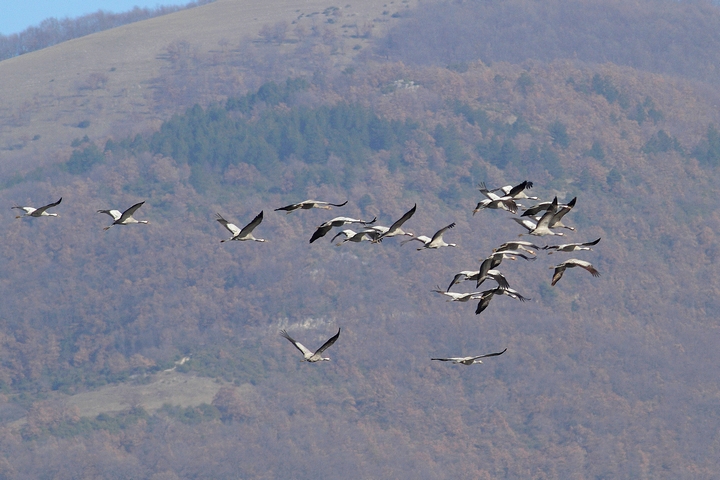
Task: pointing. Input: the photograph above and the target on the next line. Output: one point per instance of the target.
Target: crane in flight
(124, 218)
(241, 234)
(573, 262)
(308, 204)
(435, 242)
(308, 355)
(37, 212)
(469, 360)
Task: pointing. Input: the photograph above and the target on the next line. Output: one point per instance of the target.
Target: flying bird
(308, 204)
(571, 247)
(458, 297)
(325, 227)
(469, 360)
(475, 275)
(355, 237)
(556, 219)
(573, 262)
(487, 295)
(517, 245)
(495, 202)
(435, 242)
(542, 227)
(309, 356)
(543, 206)
(518, 191)
(495, 259)
(395, 229)
(37, 212)
(245, 233)
(124, 218)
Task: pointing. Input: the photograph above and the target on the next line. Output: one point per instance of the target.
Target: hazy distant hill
(603, 377)
(662, 36)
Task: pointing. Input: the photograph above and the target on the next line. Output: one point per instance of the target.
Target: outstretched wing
(420, 238)
(590, 244)
(457, 279)
(497, 276)
(490, 355)
(514, 245)
(290, 208)
(574, 262)
(484, 301)
(511, 293)
(306, 353)
(247, 229)
(321, 231)
(561, 211)
(328, 344)
(403, 219)
(528, 224)
(115, 214)
(347, 233)
(519, 188)
(130, 211)
(532, 211)
(40, 210)
(557, 275)
(232, 228)
(548, 215)
(438, 235)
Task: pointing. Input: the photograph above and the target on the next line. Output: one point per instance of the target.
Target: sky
(17, 15)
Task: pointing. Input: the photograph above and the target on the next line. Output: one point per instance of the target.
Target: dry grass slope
(105, 79)
(174, 388)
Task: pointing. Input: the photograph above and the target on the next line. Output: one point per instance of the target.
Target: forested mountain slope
(603, 377)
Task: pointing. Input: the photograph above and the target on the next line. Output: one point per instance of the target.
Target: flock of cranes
(503, 198)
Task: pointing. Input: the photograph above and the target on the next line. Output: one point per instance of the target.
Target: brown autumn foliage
(604, 377)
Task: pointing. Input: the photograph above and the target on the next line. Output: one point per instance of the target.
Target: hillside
(104, 84)
(52, 31)
(603, 377)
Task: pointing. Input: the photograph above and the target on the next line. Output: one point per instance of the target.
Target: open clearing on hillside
(171, 387)
(174, 388)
